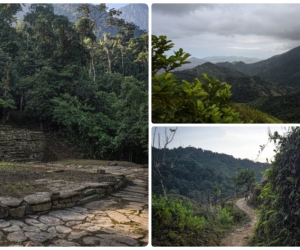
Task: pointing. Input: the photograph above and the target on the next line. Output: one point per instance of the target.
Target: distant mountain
(137, 14)
(216, 59)
(244, 88)
(196, 171)
(283, 70)
(70, 11)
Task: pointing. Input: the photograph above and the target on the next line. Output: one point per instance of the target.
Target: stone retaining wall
(21, 144)
(43, 202)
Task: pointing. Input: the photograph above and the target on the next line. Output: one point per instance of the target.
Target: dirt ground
(239, 236)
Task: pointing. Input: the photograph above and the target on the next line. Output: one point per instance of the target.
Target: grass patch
(18, 180)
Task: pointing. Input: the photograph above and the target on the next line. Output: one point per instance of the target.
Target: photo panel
(74, 81)
(225, 185)
(225, 63)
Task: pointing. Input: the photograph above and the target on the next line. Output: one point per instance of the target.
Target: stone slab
(50, 220)
(66, 215)
(18, 236)
(37, 198)
(11, 202)
(120, 218)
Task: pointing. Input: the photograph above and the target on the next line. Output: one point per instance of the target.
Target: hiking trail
(240, 235)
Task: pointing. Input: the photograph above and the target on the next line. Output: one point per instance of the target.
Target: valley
(271, 85)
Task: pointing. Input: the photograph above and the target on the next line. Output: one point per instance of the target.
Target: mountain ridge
(256, 87)
(197, 171)
(282, 70)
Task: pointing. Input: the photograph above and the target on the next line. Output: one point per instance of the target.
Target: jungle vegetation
(60, 76)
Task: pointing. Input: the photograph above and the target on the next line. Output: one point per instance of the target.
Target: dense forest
(88, 86)
(195, 172)
(201, 95)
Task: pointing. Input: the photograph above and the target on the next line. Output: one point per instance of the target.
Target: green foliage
(225, 218)
(283, 107)
(251, 115)
(189, 102)
(244, 88)
(179, 223)
(279, 213)
(173, 213)
(160, 61)
(52, 75)
(245, 179)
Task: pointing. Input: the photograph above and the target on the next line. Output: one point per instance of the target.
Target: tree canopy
(60, 77)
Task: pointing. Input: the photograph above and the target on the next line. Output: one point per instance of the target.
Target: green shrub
(186, 102)
(279, 220)
(251, 115)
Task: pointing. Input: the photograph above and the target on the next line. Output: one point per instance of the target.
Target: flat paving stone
(18, 223)
(31, 229)
(91, 241)
(120, 232)
(77, 235)
(65, 243)
(103, 221)
(4, 223)
(35, 236)
(31, 221)
(63, 229)
(94, 228)
(49, 235)
(101, 205)
(138, 219)
(73, 223)
(119, 239)
(118, 216)
(18, 236)
(66, 215)
(50, 220)
(12, 228)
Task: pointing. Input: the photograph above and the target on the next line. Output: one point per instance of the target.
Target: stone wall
(43, 202)
(21, 144)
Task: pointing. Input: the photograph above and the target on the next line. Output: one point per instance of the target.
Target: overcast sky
(250, 30)
(239, 141)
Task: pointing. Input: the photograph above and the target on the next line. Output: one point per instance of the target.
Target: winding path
(239, 236)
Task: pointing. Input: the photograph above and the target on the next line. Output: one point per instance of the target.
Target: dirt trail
(239, 236)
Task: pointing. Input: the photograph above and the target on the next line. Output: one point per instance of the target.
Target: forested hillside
(195, 172)
(282, 70)
(244, 88)
(184, 98)
(59, 76)
(270, 86)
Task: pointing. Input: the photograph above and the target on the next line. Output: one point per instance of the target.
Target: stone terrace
(107, 213)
